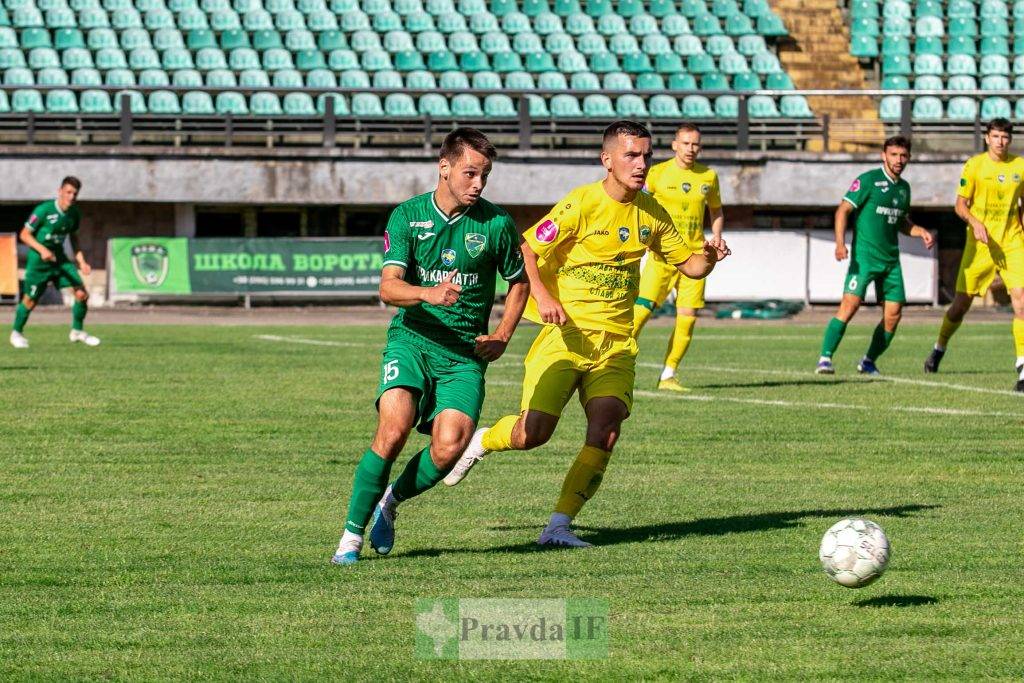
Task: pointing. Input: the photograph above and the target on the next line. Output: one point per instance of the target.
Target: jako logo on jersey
(645, 234)
(546, 232)
(623, 234)
(686, 187)
(150, 264)
(387, 242)
(855, 185)
(448, 257)
(475, 243)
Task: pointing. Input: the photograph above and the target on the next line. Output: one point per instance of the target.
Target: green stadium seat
(158, 19)
(779, 80)
(795, 107)
(636, 63)
(468, 8)
(340, 104)
(1018, 7)
(163, 102)
(157, 78)
(675, 25)
(611, 25)
(11, 58)
(128, 18)
(466, 106)
(65, 38)
(354, 78)
(961, 45)
(995, 83)
(355, 21)
(961, 83)
(604, 62)
(596, 9)
(388, 80)
(572, 62)
(893, 45)
(682, 81)
(218, 78)
(409, 60)
(925, 65)
(585, 80)
(565, 107)
(534, 8)
(706, 25)
(889, 108)
(342, 60)
(291, 20)
(928, 8)
(486, 80)
(5, 19)
(420, 80)
(266, 40)
(631, 106)
(519, 80)
(771, 25)
(52, 77)
(136, 101)
(566, 8)
(643, 25)
(863, 47)
(143, 58)
(746, 82)
(929, 46)
(993, 9)
(896, 65)
(500, 8)
(471, 62)
(43, 58)
(598, 107)
(197, 103)
(670, 63)
(28, 17)
(181, 5)
(1018, 112)
(963, 27)
(995, 45)
(719, 45)
(538, 108)
(664, 107)
(8, 38)
(442, 61)
(494, 42)
(135, 38)
(361, 41)
(231, 103)
(431, 41)
(453, 80)
(173, 59)
(95, 102)
(539, 62)
(254, 78)
(692, 8)
(557, 43)
(286, 78)
(685, 46)
(331, 40)
(243, 6)
(739, 25)
(928, 82)
(299, 104)
(701, 63)
(506, 62)
(302, 39)
(579, 25)
(461, 42)
(435, 105)
(733, 63)
(278, 58)
(727, 106)
(264, 104)
(515, 23)
(76, 58)
(724, 8)
(994, 27)
(437, 7)
(895, 83)
(84, 77)
(258, 20)
(623, 44)
(384, 22)
(209, 58)
(371, 7)
(92, 19)
(656, 45)
(231, 40)
(927, 108)
(961, 9)
(483, 23)
(995, 107)
(200, 39)
(897, 9)
(748, 46)
(617, 81)
(167, 38)
(449, 22)
(119, 78)
(1018, 27)
(863, 9)
(864, 27)
(994, 65)
(307, 60)
(1018, 65)
(32, 38)
(548, 23)
(762, 107)
(321, 79)
(630, 8)
(714, 81)
(24, 101)
(499, 107)
(210, 5)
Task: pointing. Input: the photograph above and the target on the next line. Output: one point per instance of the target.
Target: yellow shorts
(659, 278)
(564, 359)
(981, 262)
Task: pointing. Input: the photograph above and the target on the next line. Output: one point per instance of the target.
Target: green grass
(170, 499)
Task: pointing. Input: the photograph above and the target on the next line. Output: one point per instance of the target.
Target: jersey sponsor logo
(436, 275)
(424, 235)
(855, 185)
(685, 187)
(546, 232)
(475, 243)
(705, 188)
(623, 234)
(150, 263)
(448, 257)
(387, 242)
(645, 234)
(52, 218)
(421, 224)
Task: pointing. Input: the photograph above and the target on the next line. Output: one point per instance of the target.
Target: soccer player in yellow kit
(989, 201)
(687, 189)
(583, 262)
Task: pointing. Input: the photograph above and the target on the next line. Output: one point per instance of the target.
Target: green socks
(833, 335)
(880, 341)
(370, 481)
(20, 317)
(421, 474)
(78, 311)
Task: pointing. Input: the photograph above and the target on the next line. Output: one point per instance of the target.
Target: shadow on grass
(779, 383)
(668, 531)
(897, 601)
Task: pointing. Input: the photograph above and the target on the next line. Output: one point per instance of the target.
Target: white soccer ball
(854, 552)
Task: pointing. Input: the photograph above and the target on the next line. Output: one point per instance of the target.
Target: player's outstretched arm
(963, 210)
(83, 265)
(32, 243)
(917, 231)
(842, 218)
(490, 347)
(700, 264)
(395, 291)
(548, 307)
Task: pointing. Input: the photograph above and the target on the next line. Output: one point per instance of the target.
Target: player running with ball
(881, 199)
(442, 253)
(583, 262)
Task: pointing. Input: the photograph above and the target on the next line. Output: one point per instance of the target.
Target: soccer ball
(854, 552)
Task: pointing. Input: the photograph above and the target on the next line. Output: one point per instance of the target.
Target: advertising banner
(8, 265)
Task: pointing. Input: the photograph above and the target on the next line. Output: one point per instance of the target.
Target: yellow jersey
(994, 188)
(589, 248)
(685, 193)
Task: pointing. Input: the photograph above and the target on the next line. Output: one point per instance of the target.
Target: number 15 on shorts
(390, 371)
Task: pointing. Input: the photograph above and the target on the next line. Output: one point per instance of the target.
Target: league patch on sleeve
(387, 242)
(32, 219)
(546, 232)
(855, 186)
(963, 182)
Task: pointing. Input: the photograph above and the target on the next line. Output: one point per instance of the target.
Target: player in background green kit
(443, 251)
(881, 199)
(44, 233)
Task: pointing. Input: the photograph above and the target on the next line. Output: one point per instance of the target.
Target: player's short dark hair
(896, 141)
(624, 127)
(456, 142)
(73, 182)
(1000, 124)
(687, 127)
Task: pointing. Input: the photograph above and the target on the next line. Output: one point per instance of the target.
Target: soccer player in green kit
(44, 233)
(442, 253)
(881, 199)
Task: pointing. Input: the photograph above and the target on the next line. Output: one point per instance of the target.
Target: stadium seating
(624, 45)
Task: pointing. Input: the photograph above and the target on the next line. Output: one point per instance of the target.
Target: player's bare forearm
(29, 240)
(841, 218)
(717, 222)
(548, 306)
(515, 304)
(697, 267)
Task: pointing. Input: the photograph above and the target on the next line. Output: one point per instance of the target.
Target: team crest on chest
(705, 188)
(475, 243)
(623, 234)
(448, 257)
(1001, 177)
(685, 187)
(645, 234)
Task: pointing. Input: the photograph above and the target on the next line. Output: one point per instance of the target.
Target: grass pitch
(169, 502)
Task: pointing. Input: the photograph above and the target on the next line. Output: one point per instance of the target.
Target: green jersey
(51, 226)
(882, 205)
(480, 244)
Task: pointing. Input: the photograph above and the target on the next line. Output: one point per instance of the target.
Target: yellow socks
(681, 338)
(582, 480)
(947, 330)
(1018, 336)
(641, 314)
(499, 437)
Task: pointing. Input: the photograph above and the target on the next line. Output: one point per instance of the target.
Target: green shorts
(440, 383)
(38, 273)
(888, 281)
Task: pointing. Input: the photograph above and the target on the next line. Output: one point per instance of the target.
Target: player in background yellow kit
(583, 262)
(989, 201)
(688, 190)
